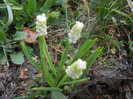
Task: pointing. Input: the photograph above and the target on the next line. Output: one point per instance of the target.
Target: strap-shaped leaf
(32, 5)
(48, 4)
(76, 82)
(29, 57)
(46, 53)
(47, 88)
(83, 49)
(90, 60)
(62, 61)
(2, 36)
(121, 13)
(10, 15)
(63, 80)
(49, 78)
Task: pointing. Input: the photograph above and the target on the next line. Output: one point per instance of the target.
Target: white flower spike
(75, 33)
(41, 26)
(75, 70)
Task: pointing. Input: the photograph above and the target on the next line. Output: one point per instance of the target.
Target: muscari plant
(76, 69)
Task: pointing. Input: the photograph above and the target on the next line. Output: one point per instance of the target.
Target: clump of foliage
(56, 78)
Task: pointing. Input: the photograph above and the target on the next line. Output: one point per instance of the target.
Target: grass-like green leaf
(76, 82)
(90, 60)
(48, 4)
(83, 49)
(63, 80)
(10, 16)
(49, 78)
(47, 75)
(121, 13)
(2, 36)
(32, 6)
(53, 14)
(46, 53)
(2, 58)
(47, 88)
(62, 61)
(24, 48)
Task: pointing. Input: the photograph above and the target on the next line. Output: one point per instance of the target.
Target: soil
(11, 84)
(106, 82)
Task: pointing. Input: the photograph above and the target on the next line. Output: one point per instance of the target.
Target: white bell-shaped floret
(41, 26)
(75, 70)
(75, 33)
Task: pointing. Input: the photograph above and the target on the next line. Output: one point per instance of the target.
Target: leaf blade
(83, 49)
(29, 57)
(17, 58)
(90, 60)
(47, 88)
(57, 95)
(47, 56)
(62, 61)
(76, 82)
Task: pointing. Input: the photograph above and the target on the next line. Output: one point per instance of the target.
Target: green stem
(24, 48)
(48, 4)
(46, 53)
(73, 84)
(62, 61)
(44, 71)
(42, 54)
(7, 62)
(75, 81)
(63, 79)
(47, 88)
(66, 13)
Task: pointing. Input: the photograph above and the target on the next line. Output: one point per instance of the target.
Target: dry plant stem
(80, 15)
(67, 29)
(88, 10)
(59, 51)
(7, 62)
(109, 48)
(130, 4)
(129, 37)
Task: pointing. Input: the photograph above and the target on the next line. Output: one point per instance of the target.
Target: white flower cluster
(75, 70)
(75, 33)
(41, 26)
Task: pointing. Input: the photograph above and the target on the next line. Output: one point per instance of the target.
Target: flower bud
(75, 70)
(41, 26)
(75, 33)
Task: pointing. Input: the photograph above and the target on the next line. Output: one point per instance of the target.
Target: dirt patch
(11, 84)
(106, 82)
